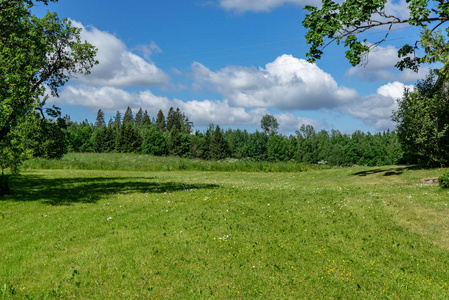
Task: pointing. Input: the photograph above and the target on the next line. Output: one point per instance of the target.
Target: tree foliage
(345, 22)
(35, 54)
(269, 124)
(423, 123)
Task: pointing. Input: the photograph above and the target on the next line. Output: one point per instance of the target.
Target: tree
(423, 123)
(218, 148)
(154, 142)
(160, 121)
(139, 117)
(35, 54)
(146, 118)
(45, 138)
(333, 22)
(128, 116)
(269, 124)
(276, 148)
(100, 119)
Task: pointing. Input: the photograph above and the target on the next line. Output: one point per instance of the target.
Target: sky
(229, 62)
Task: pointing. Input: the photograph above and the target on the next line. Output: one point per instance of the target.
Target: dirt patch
(433, 180)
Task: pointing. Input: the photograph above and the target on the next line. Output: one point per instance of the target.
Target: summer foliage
(173, 136)
(423, 125)
(36, 54)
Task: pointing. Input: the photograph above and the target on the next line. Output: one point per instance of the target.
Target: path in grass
(337, 233)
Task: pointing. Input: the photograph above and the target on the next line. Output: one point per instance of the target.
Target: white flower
(110, 218)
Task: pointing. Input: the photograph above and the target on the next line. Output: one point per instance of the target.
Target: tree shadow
(386, 171)
(67, 191)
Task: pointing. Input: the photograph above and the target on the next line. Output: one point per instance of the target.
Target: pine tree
(160, 121)
(128, 116)
(139, 117)
(172, 119)
(218, 146)
(100, 119)
(146, 118)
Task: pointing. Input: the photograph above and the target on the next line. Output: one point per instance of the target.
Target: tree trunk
(4, 185)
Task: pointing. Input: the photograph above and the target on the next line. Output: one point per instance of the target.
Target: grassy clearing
(346, 233)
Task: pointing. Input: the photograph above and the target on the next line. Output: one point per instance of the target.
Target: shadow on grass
(66, 191)
(387, 172)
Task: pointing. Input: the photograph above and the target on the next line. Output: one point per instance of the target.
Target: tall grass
(136, 162)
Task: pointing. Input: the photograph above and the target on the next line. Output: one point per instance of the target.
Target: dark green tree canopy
(334, 22)
(269, 124)
(35, 53)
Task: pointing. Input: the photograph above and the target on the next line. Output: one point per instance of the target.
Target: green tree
(178, 143)
(218, 148)
(146, 118)
(423, 123)
(154, 142)
(139, 117)
(35, 54)
(160, 121)
(100, 119)
(269, 124)
(277, 148)
(129, 139)
(45, 137)
(334, 22)
(128, 117)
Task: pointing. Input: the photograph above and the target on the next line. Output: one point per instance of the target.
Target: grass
(136, 162)
(342, 233)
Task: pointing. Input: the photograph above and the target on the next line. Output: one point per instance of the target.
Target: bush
(443, 180)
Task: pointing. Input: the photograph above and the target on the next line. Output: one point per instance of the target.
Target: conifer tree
(146, 118)
(128, 116)
(160, 121)
(218, 146)
(139, 117)
(100, 119)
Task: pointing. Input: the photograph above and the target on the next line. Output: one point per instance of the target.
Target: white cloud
(241, 6)
(287, 83)
(376, 110)
(118, 66)
(398, 8)
(380, 65)
(205, 112)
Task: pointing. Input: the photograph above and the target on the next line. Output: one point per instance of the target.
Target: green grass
(136, 162)
(343, 233)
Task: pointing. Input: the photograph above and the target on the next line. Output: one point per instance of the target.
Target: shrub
(444, 180)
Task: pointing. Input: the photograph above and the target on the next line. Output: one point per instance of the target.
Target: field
(336, 233)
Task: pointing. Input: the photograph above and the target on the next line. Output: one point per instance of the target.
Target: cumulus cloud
(287, 83)
(118, 66)
(380, 65)
(376, 110)
(111, 99)
(242, 6)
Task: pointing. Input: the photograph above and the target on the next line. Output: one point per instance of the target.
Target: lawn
(338, 233)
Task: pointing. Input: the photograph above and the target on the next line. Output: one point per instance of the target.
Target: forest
(174, 135)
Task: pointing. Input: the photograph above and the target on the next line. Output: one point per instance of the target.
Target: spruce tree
(128, 116)
(218, 146)
(100, 119)
(146, 118)
(160, 121)
(139, 117)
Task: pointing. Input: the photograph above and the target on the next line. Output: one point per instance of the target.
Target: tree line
(173, 135)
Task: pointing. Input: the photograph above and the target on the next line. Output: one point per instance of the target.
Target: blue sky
(228, 62)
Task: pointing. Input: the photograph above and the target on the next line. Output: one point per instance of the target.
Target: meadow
(133, 231)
